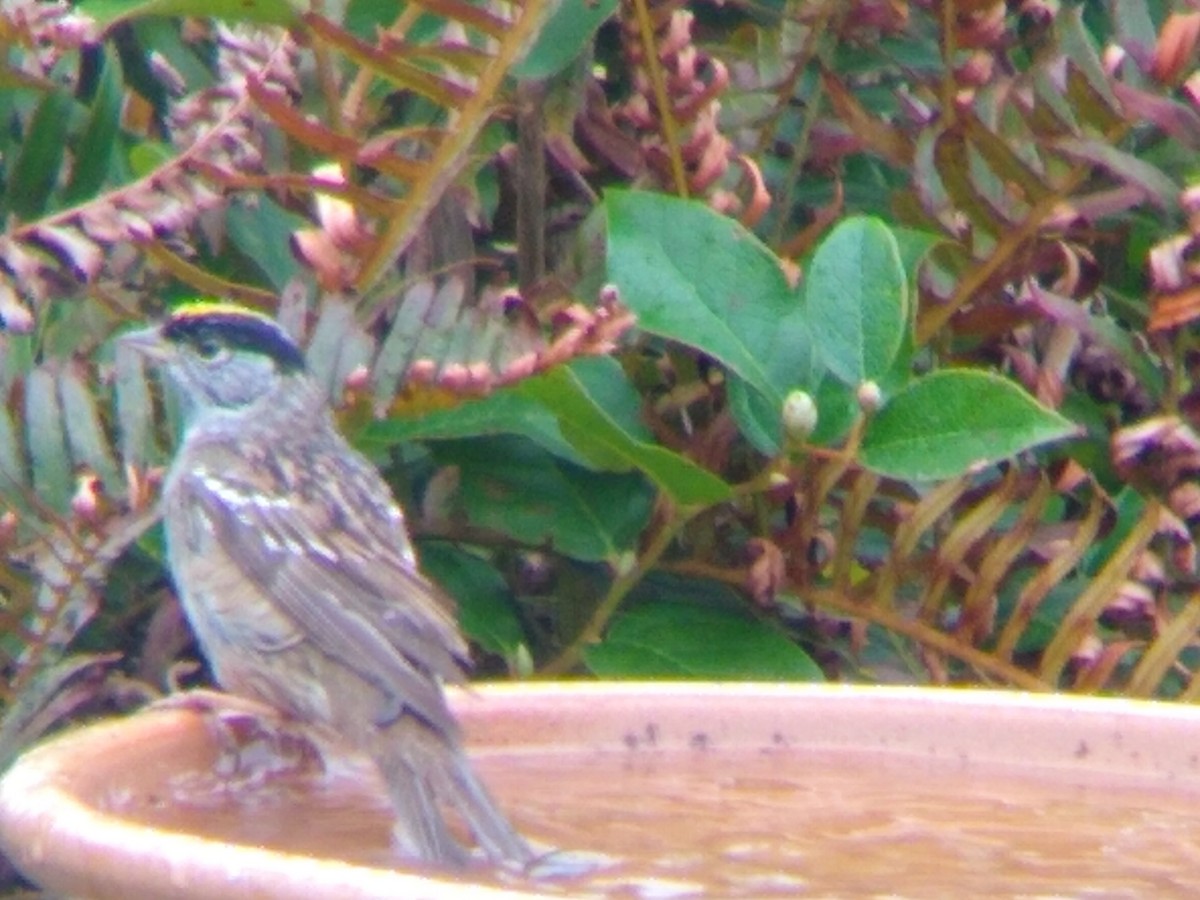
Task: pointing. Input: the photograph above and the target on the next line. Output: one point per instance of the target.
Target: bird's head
(221, 355)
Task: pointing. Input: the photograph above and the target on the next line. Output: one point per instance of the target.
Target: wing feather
(348, 581)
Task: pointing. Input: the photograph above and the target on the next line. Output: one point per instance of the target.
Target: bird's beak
(147, 342)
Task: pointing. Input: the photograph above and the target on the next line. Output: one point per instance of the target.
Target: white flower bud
(799, 415)
(870, 397)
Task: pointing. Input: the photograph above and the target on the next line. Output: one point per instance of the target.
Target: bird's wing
(346, 579)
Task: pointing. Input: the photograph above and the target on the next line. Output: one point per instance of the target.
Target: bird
(293, 564)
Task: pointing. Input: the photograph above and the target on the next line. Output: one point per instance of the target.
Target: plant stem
(658, 81)
(618, 590)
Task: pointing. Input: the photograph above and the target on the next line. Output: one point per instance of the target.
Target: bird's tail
(491, 828)
(424, 772)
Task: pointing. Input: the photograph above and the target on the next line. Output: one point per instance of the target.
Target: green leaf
(486, 606)
(504, 412)
(134, 408)
(14, 480)
(35, 173)
(94, 150)
(364, 18)
(88, 444)
(913, 245)
(146, 156)
(837, 404)
(697, 277)
(268, 12)
(1129, 506)
(1079, 49)
(567, 33)
(789, 363)
(512, 486)
(857, 296)
(586, 421)
(52, 478)
(949, 421)
(604, 380)
(166, 37)
(1109, 332)
(678, 638)
(1158, 187)
(262, 231)
(757, 416)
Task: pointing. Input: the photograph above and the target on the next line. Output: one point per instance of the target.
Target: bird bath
(654, 790)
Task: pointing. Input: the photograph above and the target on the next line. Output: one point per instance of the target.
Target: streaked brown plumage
(294, 567)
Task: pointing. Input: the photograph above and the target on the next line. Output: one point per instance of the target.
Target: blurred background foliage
(793, 339)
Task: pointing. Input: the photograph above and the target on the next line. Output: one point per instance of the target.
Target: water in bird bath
(641, 821)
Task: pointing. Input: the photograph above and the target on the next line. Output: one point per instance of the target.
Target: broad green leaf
(790, 363)
(605, 382)
(514, 487)
(949, 421)
(267, 12)
(913, 246)
(697, 277)
(366, 17)
(757, 416)
(857, 296)
(34, 174)
(586, 422)
(679, 638)
(504, 412)
(486, 606)
(566, 34)
(837, 405)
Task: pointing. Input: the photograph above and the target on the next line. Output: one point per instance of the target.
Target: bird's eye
(209, 349)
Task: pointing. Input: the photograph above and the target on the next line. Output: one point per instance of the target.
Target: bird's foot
(206, 701)
(255, 743)
(563, 865)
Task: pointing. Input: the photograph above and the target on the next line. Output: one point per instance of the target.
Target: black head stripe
(240, 331)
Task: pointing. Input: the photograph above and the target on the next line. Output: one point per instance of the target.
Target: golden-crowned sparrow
(293, 564)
